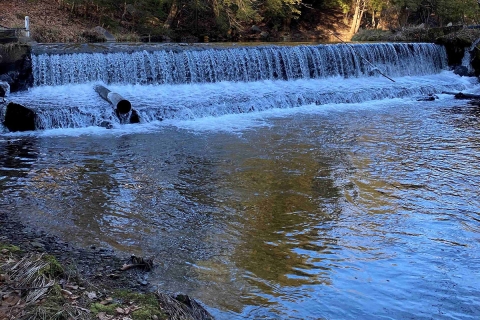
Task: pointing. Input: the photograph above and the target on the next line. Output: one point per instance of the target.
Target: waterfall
(244, 64)
(467, 57)
(195, 82)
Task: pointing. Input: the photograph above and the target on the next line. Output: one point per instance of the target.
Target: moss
(10, 248)
(96, 308)
(53, 268)
(147, 302)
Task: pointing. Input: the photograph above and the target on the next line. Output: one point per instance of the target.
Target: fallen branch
(138, 262)
(358, 54)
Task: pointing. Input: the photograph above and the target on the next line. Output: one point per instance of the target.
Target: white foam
(228, 106)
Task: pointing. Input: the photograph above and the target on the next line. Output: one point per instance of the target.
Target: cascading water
(188, 84)
(239, 64)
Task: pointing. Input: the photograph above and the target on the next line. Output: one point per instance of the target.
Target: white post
(27, 26)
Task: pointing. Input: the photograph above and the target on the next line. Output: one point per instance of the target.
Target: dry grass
(37, 286)
(181, 307)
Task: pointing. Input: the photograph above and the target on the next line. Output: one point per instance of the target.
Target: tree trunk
(171, 15)
(357, 16)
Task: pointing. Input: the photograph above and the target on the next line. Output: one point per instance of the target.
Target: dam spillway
(244, 64)
(182, 82)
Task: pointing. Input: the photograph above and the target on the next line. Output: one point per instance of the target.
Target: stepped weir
(182, 82)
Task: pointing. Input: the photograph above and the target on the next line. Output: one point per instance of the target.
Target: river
(358, 209)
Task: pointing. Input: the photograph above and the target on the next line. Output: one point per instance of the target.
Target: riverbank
(43, 275)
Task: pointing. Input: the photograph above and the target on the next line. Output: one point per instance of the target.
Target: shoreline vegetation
(67, 21)
(42, 277)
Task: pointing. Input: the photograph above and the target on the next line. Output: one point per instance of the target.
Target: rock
(16, 67)
(19, 118)
(430, 97)
(461, 71)
(255, 29)
(264, 35)
(91, 295)
(37, 245)
(134, 117)
(142, 282)
(106, 124)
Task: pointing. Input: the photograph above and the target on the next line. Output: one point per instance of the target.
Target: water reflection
(17, 156)
(364, 213)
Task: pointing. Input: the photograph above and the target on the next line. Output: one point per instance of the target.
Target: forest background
(230, 20)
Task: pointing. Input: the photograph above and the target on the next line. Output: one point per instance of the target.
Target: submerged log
(121, 105)
(461, 95)
(19, 118)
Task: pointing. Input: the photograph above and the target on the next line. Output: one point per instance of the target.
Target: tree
(359, 7)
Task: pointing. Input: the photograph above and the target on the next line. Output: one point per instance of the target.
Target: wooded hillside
(228, 20)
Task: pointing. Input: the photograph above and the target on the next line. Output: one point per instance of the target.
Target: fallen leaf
(106, 301)
(70, 286)
(65, 292)
(103, 316)
(133, 309)
(11, 300)
(126, 267)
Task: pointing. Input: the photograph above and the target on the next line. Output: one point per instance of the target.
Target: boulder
(19, 118)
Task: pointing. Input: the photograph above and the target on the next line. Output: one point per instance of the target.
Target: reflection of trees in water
(16, 159)
(81, 186)
(285, 221)
(284, 203)
(465, 117)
